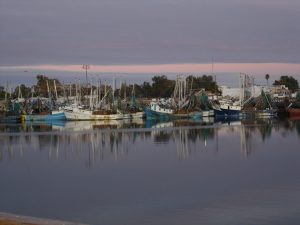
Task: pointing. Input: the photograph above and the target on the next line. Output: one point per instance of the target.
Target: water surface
(182, 172)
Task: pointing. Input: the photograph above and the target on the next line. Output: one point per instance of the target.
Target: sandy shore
(12, 219)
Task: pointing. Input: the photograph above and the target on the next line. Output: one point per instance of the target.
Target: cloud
(251, 68)
(148, 32)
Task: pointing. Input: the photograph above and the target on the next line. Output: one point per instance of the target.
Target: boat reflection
(96, 141)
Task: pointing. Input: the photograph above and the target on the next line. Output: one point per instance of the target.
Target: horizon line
(260, 68)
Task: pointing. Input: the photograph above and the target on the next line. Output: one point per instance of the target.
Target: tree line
(161, 86)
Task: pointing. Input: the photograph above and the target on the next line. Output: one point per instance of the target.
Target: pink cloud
(251, 68)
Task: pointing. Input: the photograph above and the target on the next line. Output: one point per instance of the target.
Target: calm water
(206, 172)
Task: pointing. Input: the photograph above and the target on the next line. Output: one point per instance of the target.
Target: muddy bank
(12, 219)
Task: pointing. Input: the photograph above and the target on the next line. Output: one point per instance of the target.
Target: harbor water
(147, 172)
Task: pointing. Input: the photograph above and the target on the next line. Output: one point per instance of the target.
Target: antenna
(86, 68)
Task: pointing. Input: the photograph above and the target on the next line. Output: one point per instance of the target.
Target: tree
(144, 90)
(41, 86)
(290, 82)
(2, 92)
(162, 86)
(203, 82)
(267, 78)
(25, 91)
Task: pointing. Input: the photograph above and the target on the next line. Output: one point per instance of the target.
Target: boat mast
(70, 90)
(49, 95)
(241, 88)
(99, 91)
(113, 89)
(6, 91)
(55, 89)
(76, 93)
(32, 91)
(48, 88)
(91, 97)
(20, 93)
(125, 90)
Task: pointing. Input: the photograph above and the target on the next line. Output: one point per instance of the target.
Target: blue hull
(10, 119)
(48, 117)
(150, 114)
(59, 123)
(223, 113)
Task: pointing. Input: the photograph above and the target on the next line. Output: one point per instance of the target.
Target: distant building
(280, 91)
(230, 92)
(1, 89)
(211, 95)
(235, 92)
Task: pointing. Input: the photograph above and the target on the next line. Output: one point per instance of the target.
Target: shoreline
(14, 219)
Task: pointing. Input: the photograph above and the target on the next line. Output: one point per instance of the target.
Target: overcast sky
(113, 32)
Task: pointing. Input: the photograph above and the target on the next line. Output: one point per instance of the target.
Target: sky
(154, 36)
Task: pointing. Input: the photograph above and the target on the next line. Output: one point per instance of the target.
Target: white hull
(208, 113)
(136, 115)
(79, 114)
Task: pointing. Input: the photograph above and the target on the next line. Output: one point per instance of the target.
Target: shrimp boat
(294, 108)
(260, 107)
(229, 109)
(234, 109)
(181, 105)
(43, 109)
(52, 116)
(105, 109)
(86, 114)
(294, 112)
(131, 109)
(10, 114)
(7, 117)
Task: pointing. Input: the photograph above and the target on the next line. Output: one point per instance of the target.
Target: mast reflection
(94, 142)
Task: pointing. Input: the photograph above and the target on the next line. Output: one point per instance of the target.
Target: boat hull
(48, 117)
(260, 114)
(151, 114)
(208, 113)
(78, 114)
(223, 113)
(192, 115)
(294, 112)
(88, 115)
(10, 119)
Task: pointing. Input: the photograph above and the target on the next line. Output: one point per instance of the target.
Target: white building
(235, 92)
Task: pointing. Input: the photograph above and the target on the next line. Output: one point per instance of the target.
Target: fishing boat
(294, 108)
(46, 116)
(294, 112)
(131, 109)
(230, 108)
(184, 104)
(105, 109)
(43, 109)
(11, 109)
(260, 107)
(88, 114)
(159, 109)
(6, 117)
